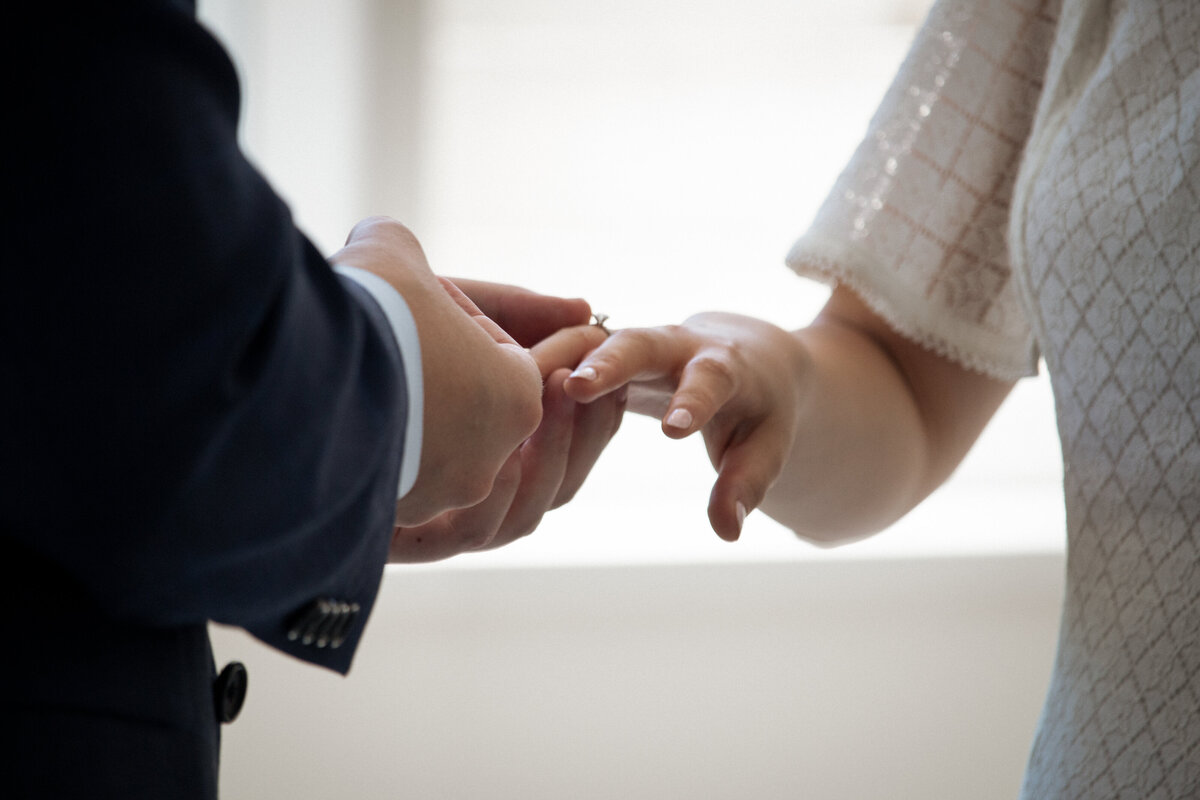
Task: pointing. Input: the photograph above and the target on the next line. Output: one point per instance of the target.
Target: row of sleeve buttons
(323, 623)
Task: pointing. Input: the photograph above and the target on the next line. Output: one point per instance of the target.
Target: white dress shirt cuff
(404, 328)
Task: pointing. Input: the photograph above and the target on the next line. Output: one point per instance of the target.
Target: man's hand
(482, 389)
(526, 316)
(542, 474)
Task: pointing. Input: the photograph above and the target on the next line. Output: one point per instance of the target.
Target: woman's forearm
(883, 422)
(860, 457)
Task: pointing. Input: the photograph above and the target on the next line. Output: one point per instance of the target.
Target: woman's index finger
(632, 354)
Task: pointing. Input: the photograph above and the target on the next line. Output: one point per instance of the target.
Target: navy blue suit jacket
(200, 420)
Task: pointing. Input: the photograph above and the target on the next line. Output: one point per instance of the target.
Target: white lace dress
(1031, 186)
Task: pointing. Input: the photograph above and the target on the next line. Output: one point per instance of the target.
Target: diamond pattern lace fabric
(1031, 184)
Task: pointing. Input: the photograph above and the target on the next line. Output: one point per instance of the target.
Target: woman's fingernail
(584, 374)
(679, 418)
(741, 514)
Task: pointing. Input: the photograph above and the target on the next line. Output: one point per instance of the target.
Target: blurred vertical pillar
(330, 93)
(395, 44)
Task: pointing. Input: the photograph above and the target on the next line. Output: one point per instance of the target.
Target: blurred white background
(657, 157)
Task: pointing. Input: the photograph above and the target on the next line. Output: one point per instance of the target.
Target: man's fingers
(528, 316)
(383, 229)
(543, 462)
(628, 355)
(566, 347)
(483, 320)
(462, 529)
(595, 425)
(460, 297)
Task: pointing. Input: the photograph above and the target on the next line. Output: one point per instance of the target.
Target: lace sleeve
(917, 222)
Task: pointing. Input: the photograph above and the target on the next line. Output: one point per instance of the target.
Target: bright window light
(656, 157)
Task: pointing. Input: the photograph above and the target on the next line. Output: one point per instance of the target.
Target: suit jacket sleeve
(203, 421)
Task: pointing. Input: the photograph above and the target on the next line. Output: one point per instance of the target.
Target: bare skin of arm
(836, 430)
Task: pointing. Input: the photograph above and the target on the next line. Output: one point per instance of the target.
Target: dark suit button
(229, 691)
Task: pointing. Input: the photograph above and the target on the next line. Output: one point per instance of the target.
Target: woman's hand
(836, 429)
(740, 381)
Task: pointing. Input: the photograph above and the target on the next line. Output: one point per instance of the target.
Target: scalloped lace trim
(1010, 366)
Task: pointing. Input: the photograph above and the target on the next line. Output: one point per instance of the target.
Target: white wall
(902, 679)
